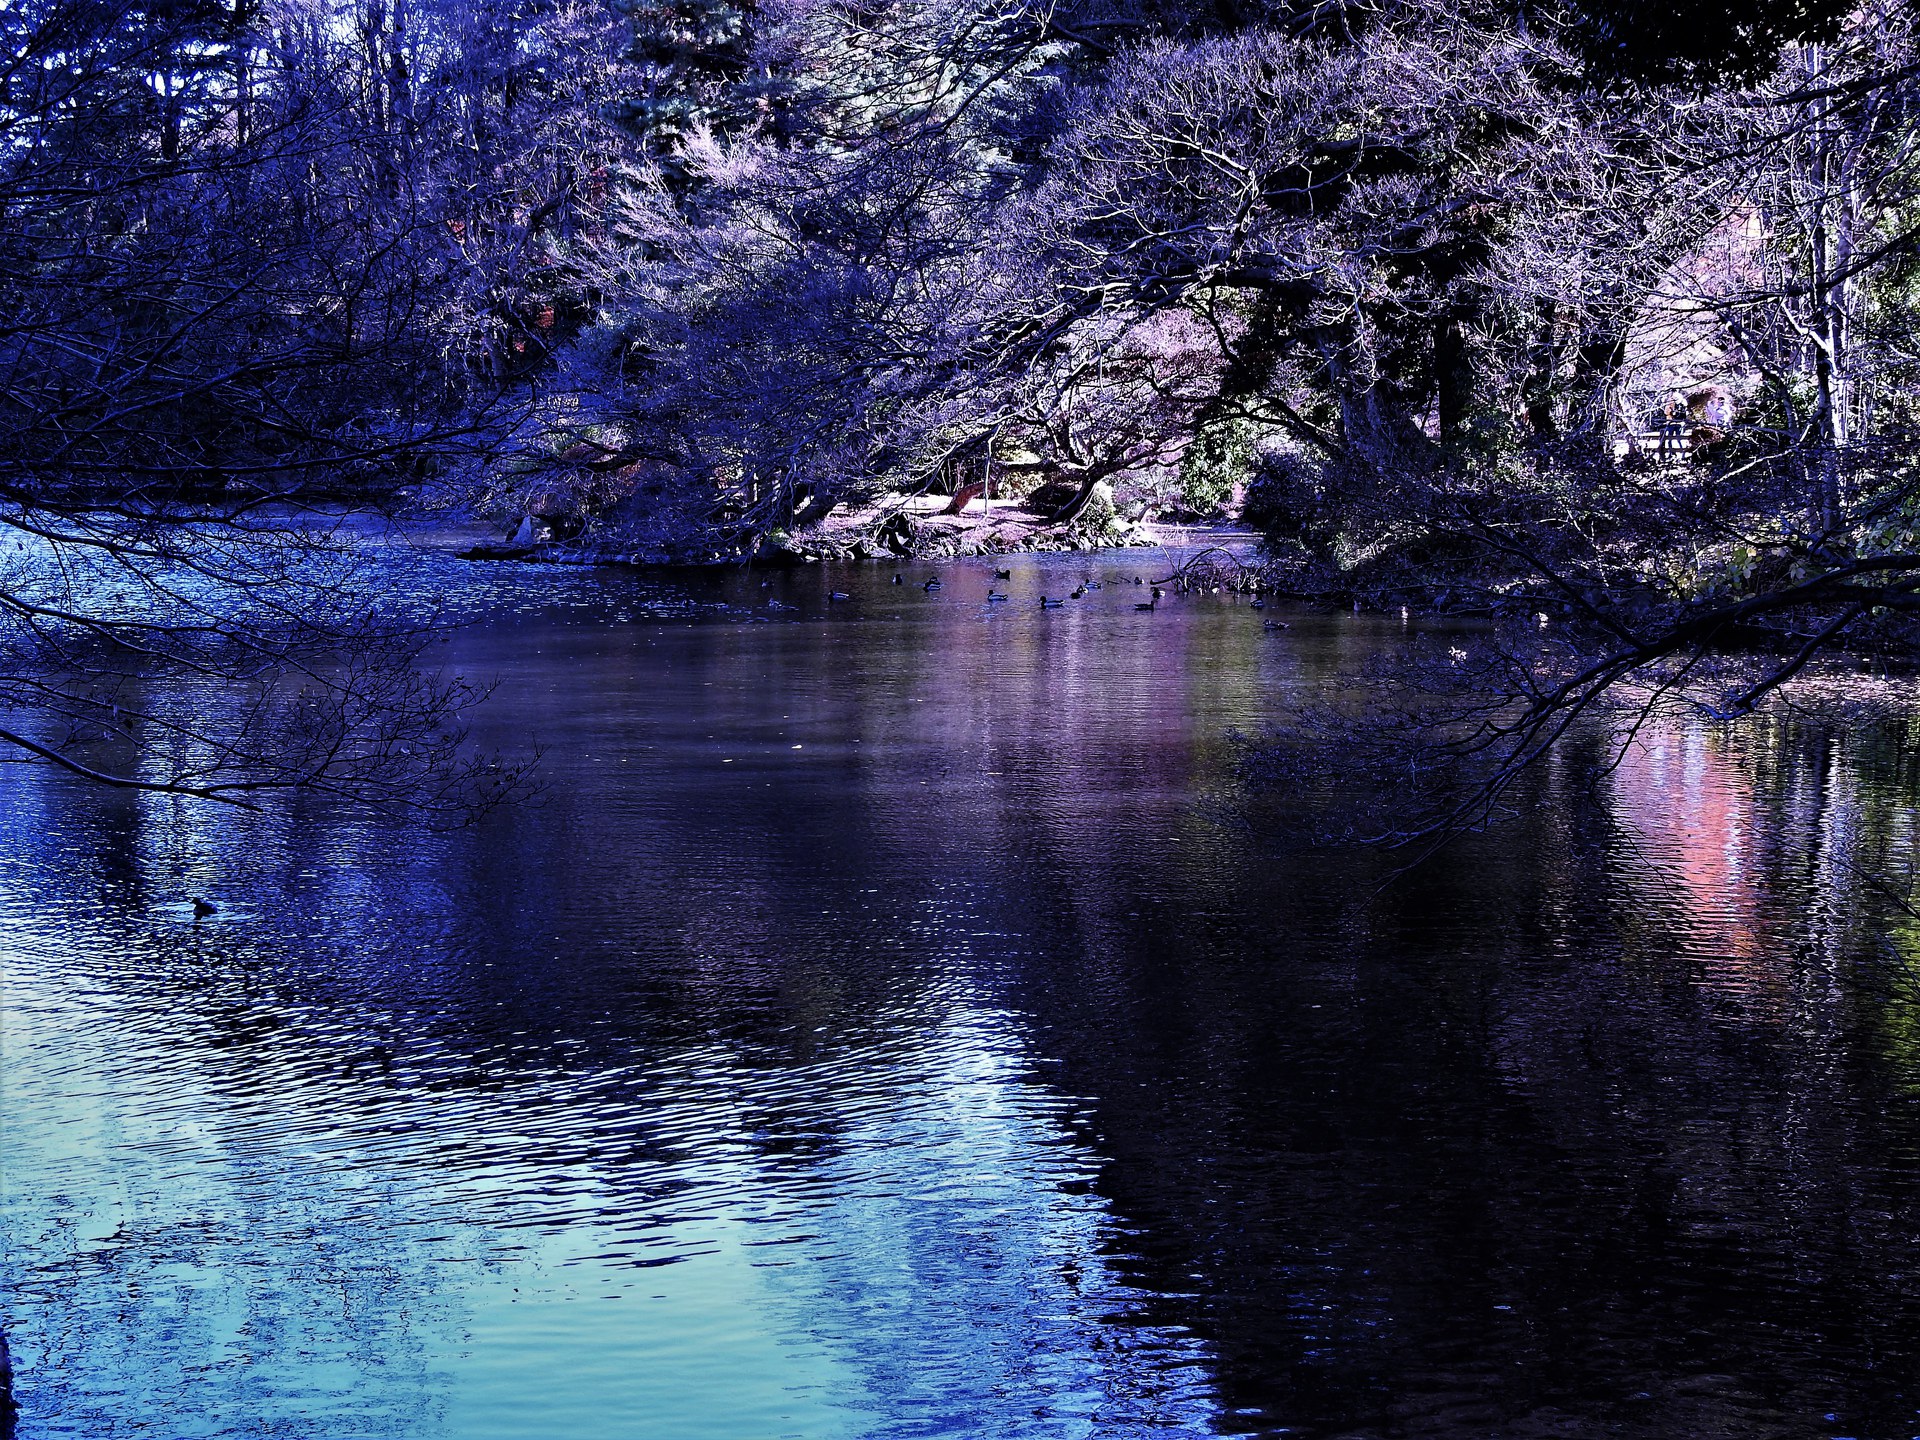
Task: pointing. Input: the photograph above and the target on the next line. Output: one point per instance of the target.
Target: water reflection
(894, 1019)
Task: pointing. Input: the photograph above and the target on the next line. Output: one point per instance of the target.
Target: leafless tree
(219, 321)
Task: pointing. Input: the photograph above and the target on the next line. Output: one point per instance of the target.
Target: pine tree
(694, 64)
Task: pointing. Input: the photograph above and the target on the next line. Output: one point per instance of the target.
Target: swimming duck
(1003, 574)
(995, 595)
(933, 584)
(203, 908)
(833, 595)
(1046, 604)
(1078, 591)
(899, 580)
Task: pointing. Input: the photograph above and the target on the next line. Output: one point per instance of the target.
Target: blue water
(900, 1018)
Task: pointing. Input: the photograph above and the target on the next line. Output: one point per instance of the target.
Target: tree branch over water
(221, 325)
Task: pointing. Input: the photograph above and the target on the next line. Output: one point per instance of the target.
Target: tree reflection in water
(994, 1063)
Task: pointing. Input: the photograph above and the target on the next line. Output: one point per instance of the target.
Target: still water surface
(895, 1018)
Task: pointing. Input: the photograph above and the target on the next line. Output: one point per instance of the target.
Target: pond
(896, 1016)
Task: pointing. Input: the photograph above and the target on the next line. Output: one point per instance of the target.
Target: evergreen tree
(693, 70)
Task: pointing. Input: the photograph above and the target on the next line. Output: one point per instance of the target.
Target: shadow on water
(895, 1018)
(9, 1410)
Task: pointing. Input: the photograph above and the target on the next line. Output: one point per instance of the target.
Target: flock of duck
(1047, 602)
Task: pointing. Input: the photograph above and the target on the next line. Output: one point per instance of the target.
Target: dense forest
(1599, 320)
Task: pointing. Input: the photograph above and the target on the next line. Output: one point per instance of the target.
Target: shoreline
(918, 529)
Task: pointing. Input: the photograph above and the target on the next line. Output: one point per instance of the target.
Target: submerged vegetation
(1598, 319)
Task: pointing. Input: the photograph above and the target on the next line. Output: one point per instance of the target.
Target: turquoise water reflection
(487, 1248)
(309, 1166)
(895, 1018)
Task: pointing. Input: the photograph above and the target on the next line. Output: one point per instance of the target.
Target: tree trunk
(1452, 376)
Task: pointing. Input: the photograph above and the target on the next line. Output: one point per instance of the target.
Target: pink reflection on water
(1686, 806)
